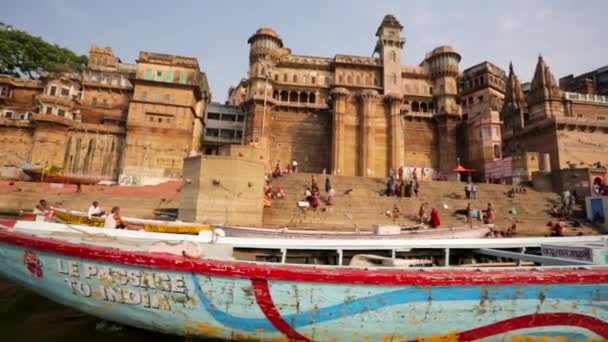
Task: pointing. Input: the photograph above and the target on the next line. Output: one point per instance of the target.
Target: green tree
(22, 54)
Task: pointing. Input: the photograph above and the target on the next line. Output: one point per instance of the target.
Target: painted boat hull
(80, 218)
(439, 233)
(37, 176)
(256, 301)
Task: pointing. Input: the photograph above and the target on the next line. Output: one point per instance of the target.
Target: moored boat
(38, 175)
(176, 227)
(378, 232)
(219, 296)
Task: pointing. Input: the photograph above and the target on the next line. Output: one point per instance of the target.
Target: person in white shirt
(294, 166)
(113, 220)
(95, 210)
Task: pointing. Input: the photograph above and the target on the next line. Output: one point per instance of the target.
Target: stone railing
(586, 97)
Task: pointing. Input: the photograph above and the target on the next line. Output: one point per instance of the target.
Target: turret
(264, 45)
(514, 105)
(443, 65)
(389, 46)
(544, 99)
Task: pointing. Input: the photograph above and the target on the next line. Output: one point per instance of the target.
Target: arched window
(284, 96)
(415, 107)
(349, 79)
(393, 56)
(496, 152)
(431, 90)
(367, 80)
(311, 98)
(394, 77)
(276, 77)
(358, 79)
(423, 107)
(340, 79)
(303, 97)
(293, 97)
(304, 79)
(431, 107)
(295, 78)
(275, 95)
(284, 77)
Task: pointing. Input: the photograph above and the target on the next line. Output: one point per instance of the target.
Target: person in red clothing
(435, 223)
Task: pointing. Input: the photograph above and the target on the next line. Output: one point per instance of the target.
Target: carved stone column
(368, 100)
(393, 106)
(340, 97)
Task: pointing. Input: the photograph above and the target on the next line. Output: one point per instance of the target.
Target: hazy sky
(571, 35)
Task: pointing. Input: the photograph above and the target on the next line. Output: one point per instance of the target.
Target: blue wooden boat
(236, 300)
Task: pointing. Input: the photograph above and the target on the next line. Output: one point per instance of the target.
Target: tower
(544, 100)
(389, 46)
(264, 45)
(514, 106)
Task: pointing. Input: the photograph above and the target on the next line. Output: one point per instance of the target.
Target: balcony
(587, 98)
(53, 119)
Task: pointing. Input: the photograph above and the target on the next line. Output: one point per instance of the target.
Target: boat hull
(79, 218)
(38, 176)
(255, 301)
(431, 233)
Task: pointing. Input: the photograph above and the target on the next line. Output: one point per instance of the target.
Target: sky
(571, 35)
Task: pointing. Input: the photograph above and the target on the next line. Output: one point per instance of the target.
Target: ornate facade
(351, 115)
(91, 123)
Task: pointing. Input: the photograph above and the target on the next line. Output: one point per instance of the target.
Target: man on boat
(114, 221)
(95, 210)
(42, 208)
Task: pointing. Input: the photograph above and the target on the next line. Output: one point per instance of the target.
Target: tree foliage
(22, 54)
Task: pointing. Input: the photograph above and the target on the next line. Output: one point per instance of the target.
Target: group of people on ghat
(398, 186)
(313, 196)
(112, 220)
(488, 216)
(567, 200)
(291, 167)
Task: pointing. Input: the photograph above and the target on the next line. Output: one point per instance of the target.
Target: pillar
(367, 100)
(447, 144)
(393, 104)
(339, 97)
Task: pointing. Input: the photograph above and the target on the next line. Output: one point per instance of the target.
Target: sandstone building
(99, 122)
(351, 115)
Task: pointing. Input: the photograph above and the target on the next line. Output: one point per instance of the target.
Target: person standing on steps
(327, 185)
(294, 166)
(396, 213)
(474, 190)
(467, 190)
(416, 188)
(469, 215)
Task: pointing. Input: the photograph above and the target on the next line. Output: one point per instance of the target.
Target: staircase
(365, 204)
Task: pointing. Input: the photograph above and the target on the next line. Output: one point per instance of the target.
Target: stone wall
(222, 190)
(93, 154)
(15, 145)
(420, 143)
(582, 148)
(304, 135)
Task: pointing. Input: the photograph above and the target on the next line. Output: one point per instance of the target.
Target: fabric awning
(460, 168)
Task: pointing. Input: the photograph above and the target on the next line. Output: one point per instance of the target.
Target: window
(394, 76)
(480, 98)
(114, 81)
(295, 78)
(61, 112)
(151, 119)
(144, 95)
(156, 97)
(104, 102)
(49, 110)
(212, 132)
(213, 116)
(228, 117)
(240, 118)
(313, 80)
(183, 79)
(393, 56)
(169, 76)
(239, 134)
(8, 115)
(148, 74)
(160, 119)
(167, 98)
(496, 152)
(276, 77)
(284, 77)
(53, 91)
(601, 117)
(94, 102)
(159, 75)
(4, 91)
(487, 132)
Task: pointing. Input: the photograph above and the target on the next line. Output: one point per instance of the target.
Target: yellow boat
(81, 218)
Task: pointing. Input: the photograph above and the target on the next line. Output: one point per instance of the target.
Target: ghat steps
(365, 205)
